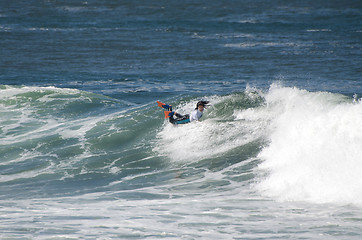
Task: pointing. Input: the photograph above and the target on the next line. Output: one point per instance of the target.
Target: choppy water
(86, 154)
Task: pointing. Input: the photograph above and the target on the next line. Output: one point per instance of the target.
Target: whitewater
(85, 152)
(281, 163)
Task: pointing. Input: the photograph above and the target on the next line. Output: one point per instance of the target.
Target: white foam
(266, 44)
(319, 30)
(315, 148)
(23, 123)
(208, 138)
(22, 113)
(11, 91)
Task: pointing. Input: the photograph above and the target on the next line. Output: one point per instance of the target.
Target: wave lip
(315, 150)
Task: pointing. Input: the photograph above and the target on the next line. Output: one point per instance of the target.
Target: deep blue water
(187, 46)
(86, 154)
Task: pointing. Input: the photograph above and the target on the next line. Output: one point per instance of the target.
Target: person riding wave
(176, 118)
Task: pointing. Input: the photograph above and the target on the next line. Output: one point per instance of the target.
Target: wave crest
(314, 148)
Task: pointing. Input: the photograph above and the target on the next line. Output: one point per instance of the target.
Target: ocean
(86, 153)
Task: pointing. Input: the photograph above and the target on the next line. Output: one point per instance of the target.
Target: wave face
(95, 165)
(308, 143)
(300, 145)
(66, 140)
(220, 132)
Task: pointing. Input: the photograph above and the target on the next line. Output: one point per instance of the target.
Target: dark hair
(201, 103)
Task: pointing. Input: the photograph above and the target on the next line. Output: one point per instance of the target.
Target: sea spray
(314, 152)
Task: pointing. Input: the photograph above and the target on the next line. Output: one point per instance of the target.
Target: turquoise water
(85, 153)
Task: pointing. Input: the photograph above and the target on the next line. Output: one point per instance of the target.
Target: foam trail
(315, 151)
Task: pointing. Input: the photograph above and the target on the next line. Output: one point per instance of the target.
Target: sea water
(85, 152)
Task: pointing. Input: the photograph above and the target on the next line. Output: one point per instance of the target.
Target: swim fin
(168, 114)
(163, 105)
